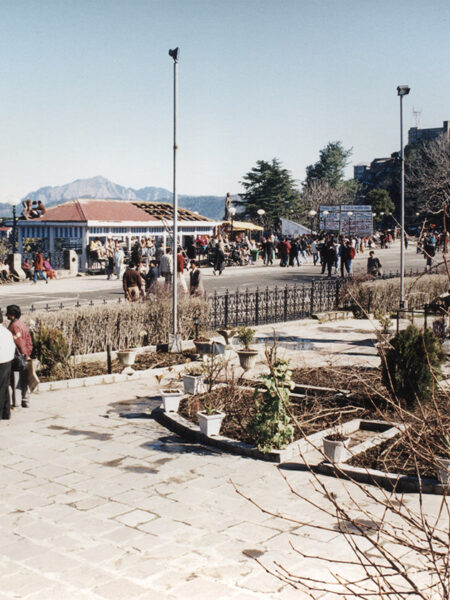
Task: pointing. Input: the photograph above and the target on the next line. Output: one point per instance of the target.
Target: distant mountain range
(100, 187)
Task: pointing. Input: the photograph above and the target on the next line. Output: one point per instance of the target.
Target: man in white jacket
(166, 266)
(7, 351)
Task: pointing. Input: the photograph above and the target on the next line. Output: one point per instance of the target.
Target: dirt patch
(147, 360)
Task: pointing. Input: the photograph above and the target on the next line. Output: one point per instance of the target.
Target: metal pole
(402, 208)
(175, 205)
(14, 230)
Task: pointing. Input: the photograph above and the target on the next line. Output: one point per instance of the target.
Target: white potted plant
(247, 355)
(210, 420)
(171, 394)
(443, 462)
(335, 447)
(193, 380)
(127, 356)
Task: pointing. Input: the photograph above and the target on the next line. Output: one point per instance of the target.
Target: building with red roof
(75, 223)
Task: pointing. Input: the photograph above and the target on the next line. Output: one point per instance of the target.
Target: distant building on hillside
(419, 135)
(75, 223)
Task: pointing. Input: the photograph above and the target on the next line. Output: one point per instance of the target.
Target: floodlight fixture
(403, 90)
(174, 54)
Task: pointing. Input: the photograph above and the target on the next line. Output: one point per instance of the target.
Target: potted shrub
(247, 355)
(193, 380)
(335, 447)
(443, 462)
(210, 420)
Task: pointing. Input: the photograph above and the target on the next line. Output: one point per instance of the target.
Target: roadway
(97, 288)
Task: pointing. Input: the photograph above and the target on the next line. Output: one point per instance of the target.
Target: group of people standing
(140, 280)
(16, 346)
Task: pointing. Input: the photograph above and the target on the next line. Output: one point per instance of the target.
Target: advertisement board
(338, 219)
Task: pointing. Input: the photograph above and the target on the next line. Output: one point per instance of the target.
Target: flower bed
(146, 360)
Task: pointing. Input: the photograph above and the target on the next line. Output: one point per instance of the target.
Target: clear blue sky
(86, 86)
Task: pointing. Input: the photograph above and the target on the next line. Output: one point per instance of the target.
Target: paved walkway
(100, 502)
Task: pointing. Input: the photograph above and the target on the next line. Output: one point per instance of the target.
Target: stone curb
(65, 384)
(390, 481)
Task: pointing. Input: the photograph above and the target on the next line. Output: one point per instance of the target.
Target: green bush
(50, 348)
(271, 425)
(412, 365)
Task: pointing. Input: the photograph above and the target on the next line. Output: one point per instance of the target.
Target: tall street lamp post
(349, 215)
(402, 90)
(261, 212)
(325, 214)
(312, 214)
(175, 54)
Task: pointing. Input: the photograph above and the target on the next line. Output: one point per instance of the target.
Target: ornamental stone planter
(210, 424)
(247, 358)
(335, 451)
(126, 357)
(193, 384)
(203, 347)
(171, 400)
(443, 470)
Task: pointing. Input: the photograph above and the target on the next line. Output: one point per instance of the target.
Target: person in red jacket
(24, 344)
(38, 264)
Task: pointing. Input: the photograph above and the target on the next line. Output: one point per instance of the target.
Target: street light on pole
(261, 212)
(174, 54)
(349, 215)
(325, 214)
(312, 214)
(402, 90)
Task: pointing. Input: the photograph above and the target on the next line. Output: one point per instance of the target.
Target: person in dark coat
(293, 253)
(219, 259)
(330, 257)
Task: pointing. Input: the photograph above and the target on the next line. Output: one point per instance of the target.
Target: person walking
(38, 264)
(350, 256)
(330, 256)
(314, 252)
(293, 253)
(195, 282)
(7, 352)
(24, 343)
(132, 283)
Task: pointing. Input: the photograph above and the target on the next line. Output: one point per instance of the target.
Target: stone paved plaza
(100, 502)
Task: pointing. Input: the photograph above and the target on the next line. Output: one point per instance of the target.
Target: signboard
(359, 222)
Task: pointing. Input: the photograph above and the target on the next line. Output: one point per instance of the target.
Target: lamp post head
(403, 90)
(349, 214)
(312, 213)
(261, 212)
(325, 213)
(174, 54)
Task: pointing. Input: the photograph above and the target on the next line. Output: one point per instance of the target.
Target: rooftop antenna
(417, 115)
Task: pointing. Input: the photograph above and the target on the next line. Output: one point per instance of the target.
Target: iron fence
(258, 307)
